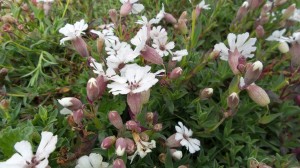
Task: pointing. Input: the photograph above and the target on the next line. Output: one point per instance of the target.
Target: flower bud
(125, 9)
(280, 2)
(108, 142)
(78, 116)
(100, 43)
(133, 126)
(258, 95)
(145, 96)
(3, 73)
(295, 52)
(283, 47)
(260, 31)
(47, 7)
(115, 119)
(206, 93)
(289, 12)
(233, 100)
(119, 163)
(182, 166)
(157, 127)
(102, 83)
(134, 101)
(113, 14)
(4, 104)
(162, 157)
(8, 18)
(151, 55)
(175, 73)
(214, 54)
(130, 149)
(92, 90)
(170, 18)
(254, 4)
(172, 143)
(144, 136)
(297, 100)
(80, 46)
(182, 23)
(120, 146)
(176, 154)
(242, 12)
(149, 117)
(253, 72)
(71, 103)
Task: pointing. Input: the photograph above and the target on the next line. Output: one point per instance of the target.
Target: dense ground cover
(202, 84)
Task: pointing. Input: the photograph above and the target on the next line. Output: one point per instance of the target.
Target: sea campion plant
(136, 83)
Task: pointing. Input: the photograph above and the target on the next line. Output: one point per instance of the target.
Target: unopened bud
(253, 72)
(172, 142)
(151, 55)
(233, 100)
(258, 95)
(157, 127)
(149, 117)
(297, 100)
(182, 166)
(100, 43)
(78, 116)
(134, 101)
(102, 83)
(25, 7)
(133, 126)
(71, 103)
(144, 136)
(280, 2)
(113, 14)
(120, 146)
(162, 157)
(3, 73)
(176, 154)
(47, 7)
(115, 119)
(119, 163)
(214, 54)
(283, 47)
(206, 93)
(182, 23)
(145, 96)
(175, 73)
(295, 52)
(125, 9)
(8, 18)
(242, 12)
(289, 12)
(4, 104)
(80, 46)
(260, 31)
(108, 142)
(254, 4)
(130, 149)
(170, 18)
(92, 90)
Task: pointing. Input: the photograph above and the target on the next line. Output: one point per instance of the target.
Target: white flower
(72, 31)
(143, 148)
(295, 17)
(162, 47)
(295, 38)
(202, 5)
(158, 32)
(133, 79)
(119, 61)
(239, 42)
(178, 55)
(98, 69)
(161, 13)
(70, 104)
(25, 158)
(183, 135)
(94, 160)
(144, 21)
(278, 36)
(109, 27)
(136, 7)
(106, 34)
(116, 47)
(140, 39)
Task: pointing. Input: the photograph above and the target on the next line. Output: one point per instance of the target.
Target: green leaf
(43, 113)
(10, 136)
(268, 118)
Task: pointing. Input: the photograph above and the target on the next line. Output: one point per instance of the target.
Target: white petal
(24, 148)
(47, 145)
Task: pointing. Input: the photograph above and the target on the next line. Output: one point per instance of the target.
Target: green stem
(66, 7)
